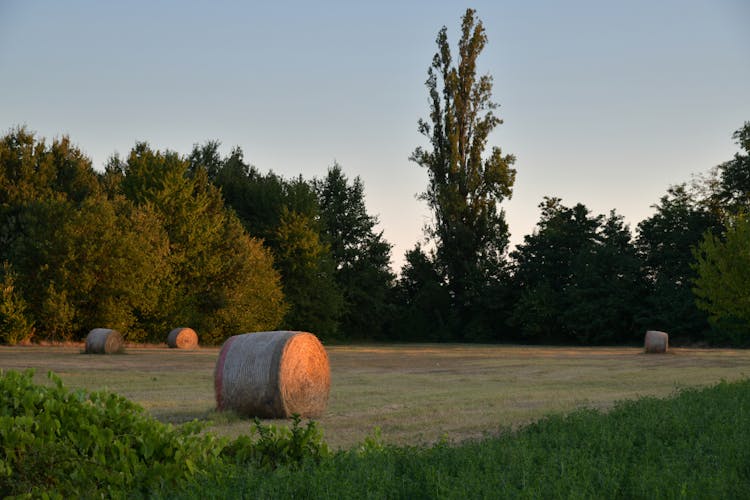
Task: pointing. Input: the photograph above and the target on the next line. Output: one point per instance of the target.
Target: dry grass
(414, 393)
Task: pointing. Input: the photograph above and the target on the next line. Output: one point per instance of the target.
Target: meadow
(414, 394)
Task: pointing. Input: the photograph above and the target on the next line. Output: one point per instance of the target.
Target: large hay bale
(182, 338)
(656, 342)
(104, 341)
(273, 375)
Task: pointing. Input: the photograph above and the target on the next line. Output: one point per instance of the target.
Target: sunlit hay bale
(104, 341)
(182, 338)
(273, 375)
(656, 342)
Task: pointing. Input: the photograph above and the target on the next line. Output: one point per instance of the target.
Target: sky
(604, 103)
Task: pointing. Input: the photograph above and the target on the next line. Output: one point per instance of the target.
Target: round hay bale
(182, 338)
(273, 375)
(104, 341)
(656, 342)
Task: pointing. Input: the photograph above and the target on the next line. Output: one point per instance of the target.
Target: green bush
(278, 446)
(62, 443)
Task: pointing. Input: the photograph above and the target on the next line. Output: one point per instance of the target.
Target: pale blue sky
(605, 103)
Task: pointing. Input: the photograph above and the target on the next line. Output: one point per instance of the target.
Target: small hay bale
(273, 375)
(104, 341)
(656, 342)
(182, 338)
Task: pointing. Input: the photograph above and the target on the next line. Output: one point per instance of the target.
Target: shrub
(57, 442)
(278, 446)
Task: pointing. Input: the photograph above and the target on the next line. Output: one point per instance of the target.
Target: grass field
(413, 393)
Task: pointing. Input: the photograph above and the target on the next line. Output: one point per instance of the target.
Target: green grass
(693, 445)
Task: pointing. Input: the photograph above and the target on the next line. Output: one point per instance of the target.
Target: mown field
(414, 393)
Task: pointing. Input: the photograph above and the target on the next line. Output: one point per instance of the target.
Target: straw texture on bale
(182, 338)
(273, 375)
(656, 342)
(104, 341)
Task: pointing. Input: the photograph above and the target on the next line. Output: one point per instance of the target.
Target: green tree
(360, 253)
(206, 157)
(605, 295)
(33, 171)
(579, 278)
(15, 325)
(285, 213)
(421, 301)
(80, 261)
(545, 266)
(245, 291)
(665, 242)
(257, 199)
(89, 266)
(222, 281)
(722, 283)
(732, 192)
(465, 187)
(307, 274)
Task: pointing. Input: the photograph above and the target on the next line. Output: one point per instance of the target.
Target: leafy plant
(59, 442)
(269, 447)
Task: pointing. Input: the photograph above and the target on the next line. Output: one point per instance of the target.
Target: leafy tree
(732, 192)
(89, 266)
(723, 275)
(721, 260)
(222, 281)
(665, 242)
(245, 289)
(464, 188)
(722, 284)
(15, 326)
(285, 214)
(80, 261)
(32, 171)
(257, 199)
(361, 255)
(603, 300)
(206, 157)
(545, 265)
(579, 277)
(307, 274)
(422, 301)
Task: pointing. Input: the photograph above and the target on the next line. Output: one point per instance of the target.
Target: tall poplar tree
(465, 184)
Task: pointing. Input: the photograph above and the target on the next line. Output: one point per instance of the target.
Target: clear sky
(605, 103)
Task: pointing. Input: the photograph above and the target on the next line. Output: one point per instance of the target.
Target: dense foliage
(579, 277)
(723, 282)
(141, 248)
(67, 443)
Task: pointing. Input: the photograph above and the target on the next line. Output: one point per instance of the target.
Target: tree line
(159, 240)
